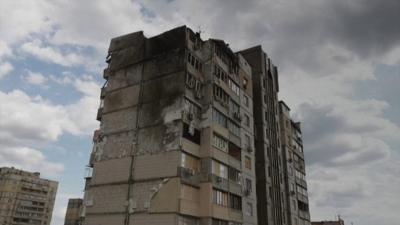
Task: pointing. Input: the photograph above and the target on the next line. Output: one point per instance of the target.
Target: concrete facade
(25, 198)
(186, 126)
(294, 166)
(269, 169)
(73, 215)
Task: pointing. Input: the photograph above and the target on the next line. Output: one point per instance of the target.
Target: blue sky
(339, 64)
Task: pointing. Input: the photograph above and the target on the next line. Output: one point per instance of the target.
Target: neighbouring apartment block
(294, 168)
(25, 198)
(189, 134)
(73, 215)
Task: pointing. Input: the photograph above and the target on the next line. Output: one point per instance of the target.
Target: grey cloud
(331, 140)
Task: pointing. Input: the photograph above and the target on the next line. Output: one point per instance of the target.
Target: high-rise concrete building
(294, 167)
(73, 215)
(25, 198)
(271, 206)
(178, 142)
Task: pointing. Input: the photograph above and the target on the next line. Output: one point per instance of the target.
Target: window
(220, 142)
(219, 169)
(195, 62)
(249, 209)
(219, 118)
(235, 151)
(234, 87)
(247, 162)
(192, 108)
(235, 202)
(233, 128)
(248, 185)
(246, 120)
(190, 162)
(191, 133)
(220, 197)
(234, 108)
(247, 141)
(244, 82)
(234, 175)
(220, 74)
(221, 96)
(246, 100)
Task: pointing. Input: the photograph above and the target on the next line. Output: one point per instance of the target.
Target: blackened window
(191, 133)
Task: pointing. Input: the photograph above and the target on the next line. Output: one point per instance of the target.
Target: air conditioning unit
(219, 179)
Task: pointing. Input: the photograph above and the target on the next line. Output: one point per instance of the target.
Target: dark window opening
(234, 151)
(191, 133)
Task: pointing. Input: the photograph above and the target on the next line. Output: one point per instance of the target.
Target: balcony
(99, 113)
(189, 176)
(219, 182)
(302, 182)
(88, 172)
(103, 93)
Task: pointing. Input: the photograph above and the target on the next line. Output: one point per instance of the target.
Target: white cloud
(52, 54)
(28, 159)
(5, 68)
(35, 78)
(5, 50)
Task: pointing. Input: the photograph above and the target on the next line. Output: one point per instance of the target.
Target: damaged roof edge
(124, 41)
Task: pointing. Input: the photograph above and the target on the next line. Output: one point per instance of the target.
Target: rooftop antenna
(199, 30)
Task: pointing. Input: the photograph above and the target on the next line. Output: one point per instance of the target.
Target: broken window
(195, 62)
(192, 110)
(191, 133)
(234, 151)
(220, 74)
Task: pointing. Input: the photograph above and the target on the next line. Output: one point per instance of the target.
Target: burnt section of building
(175, 144)
(178, 142)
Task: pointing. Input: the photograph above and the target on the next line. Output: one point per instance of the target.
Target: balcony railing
(189, 176)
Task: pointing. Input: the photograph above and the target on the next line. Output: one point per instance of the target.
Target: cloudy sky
(339, 64)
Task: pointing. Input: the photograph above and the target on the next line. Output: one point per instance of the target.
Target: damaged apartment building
(179, 142)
